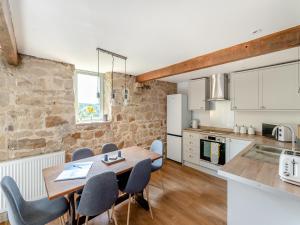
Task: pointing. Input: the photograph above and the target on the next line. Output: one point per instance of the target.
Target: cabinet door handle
(299, 90)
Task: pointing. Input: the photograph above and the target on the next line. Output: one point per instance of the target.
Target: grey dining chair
(109, 147)
(138, 182)
(157, 147)
(99, 195)
(82, 153)
(21, 212)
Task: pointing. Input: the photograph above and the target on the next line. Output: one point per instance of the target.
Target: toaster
(289, 166)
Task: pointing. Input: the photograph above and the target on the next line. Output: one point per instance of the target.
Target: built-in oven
(213, 149)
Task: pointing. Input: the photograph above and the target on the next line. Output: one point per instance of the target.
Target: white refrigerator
(178, 118)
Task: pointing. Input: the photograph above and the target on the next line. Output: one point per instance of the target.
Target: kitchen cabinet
(191, 147)
(280, 87)
(245, 90)
(271, 88)
(234, 147)
(198, 94)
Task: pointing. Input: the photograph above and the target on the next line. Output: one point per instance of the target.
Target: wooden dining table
(56, 189)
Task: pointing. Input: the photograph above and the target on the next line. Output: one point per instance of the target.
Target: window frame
(101, 99)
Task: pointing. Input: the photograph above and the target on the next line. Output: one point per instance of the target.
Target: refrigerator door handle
(175, 135)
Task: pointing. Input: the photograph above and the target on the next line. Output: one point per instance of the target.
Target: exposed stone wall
(37, 112)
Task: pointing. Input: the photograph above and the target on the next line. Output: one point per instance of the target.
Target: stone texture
(53, 121)
(27, 143)
(37, 112)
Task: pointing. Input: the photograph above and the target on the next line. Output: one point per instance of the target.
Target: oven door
(205, 151)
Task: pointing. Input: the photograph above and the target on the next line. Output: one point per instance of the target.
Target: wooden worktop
(253, 172)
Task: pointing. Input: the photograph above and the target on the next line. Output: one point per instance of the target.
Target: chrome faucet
(292, 132)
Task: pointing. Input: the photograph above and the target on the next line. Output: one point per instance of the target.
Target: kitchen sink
(264, 153)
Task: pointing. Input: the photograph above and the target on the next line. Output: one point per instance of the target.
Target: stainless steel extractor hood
(218, 87)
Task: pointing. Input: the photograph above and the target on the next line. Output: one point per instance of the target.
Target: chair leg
(77, 218)
(128, 213)
(108, 214)
(113, 214)
(86, 220)
(148, 200)
(62, 220)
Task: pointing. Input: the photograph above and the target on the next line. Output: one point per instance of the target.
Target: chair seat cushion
(43, 211)
(156, 165)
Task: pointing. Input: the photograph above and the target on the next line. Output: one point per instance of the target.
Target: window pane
(88, 101)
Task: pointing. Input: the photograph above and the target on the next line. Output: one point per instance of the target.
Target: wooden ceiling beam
(278, 41)
(7, 36)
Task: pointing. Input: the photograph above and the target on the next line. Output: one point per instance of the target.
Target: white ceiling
(152, 34)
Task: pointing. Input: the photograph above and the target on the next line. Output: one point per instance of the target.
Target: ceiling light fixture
(126, 92)
(113, 92)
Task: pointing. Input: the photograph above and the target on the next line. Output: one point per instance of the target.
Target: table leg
(72, 213)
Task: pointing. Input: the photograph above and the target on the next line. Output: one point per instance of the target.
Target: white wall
(257, 118)
(182, 87)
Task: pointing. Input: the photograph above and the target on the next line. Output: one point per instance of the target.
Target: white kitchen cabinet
(191, 147)
(198, 94)
(245, 90)
(234, 147)
(271, 88)
(280, 87)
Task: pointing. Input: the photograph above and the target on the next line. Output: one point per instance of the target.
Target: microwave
(213, 149)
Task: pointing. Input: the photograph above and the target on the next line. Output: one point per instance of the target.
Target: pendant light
(113, 94)
(126, 92)
(98, 86)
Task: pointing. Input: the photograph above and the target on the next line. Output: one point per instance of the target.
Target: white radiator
(27, 172)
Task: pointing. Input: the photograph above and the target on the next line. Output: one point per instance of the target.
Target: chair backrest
(82, 153)
(99, 194)
(109, 147)
(139, 177)
(15, 201)
(157, 146)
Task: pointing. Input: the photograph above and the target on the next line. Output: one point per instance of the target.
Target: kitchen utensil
(243, 130)
(251, 130)
(195, 124)
(236, 129)
(289, 170)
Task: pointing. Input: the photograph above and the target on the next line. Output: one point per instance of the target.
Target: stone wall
(37, 112)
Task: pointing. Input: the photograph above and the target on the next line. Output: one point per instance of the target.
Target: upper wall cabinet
(244, 90)
(198, 94)
(272, 88)
(280, 87)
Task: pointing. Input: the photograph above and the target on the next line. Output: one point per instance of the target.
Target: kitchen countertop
(253, 172)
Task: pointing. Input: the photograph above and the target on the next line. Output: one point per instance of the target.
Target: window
(89, 97)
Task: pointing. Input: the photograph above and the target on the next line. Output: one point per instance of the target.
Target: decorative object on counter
(243, 130)
(236, 129)
(251, 130)
(194, 124)
(112, 159)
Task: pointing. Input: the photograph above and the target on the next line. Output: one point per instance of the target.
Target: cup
(105, 157)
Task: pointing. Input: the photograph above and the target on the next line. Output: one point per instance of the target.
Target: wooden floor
(190, 198)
